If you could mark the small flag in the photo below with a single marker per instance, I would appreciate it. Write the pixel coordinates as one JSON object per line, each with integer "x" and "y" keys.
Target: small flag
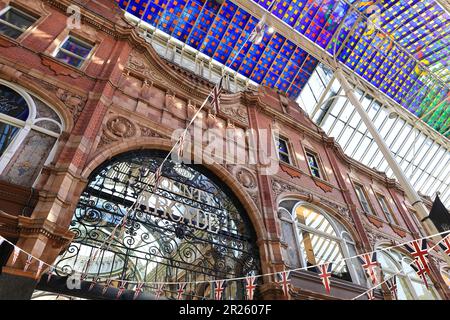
{"x": 421, "y": 271}
{"x": 445, "y": 245}
{"x": 285, "y": 281}
{"x": 180, "y": 151}
{"x": 28, "y": 262}
{"x": 15, "y": 254}
{"x": 218, "y": 289}
{"x": 93, "y": 283}
{"x": 180, "y": 291}
{"x": 392, "y": 286}
{"x": 159, "y": 290}
{"x": 419, "y": 250}
{"x": 105, "y": 288}
{"x": 369, "y": 263}
{"x": 370, "y": 295}
{"x": 39, "y": 269}
{"x": 121, "y": 289}
{"x": 50, "y": 273}
{"x": 215, "y": 98}
{"x": 325, "y": 275}
{"x": 250, "y": 287}
{"x": 138, "y": 290}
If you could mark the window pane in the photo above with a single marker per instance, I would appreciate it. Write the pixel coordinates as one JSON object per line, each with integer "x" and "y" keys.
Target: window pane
{"x": 9, "y": 31}
{"x": 319, "y": 247}
{"x": 313, "y": 165}
{"x": 16, "y": 18}
{"x": 13, "y": 104}
{"x": 64, "y": 57}
{"x": 77, "y": 47}
{"x": 7, "y": 134}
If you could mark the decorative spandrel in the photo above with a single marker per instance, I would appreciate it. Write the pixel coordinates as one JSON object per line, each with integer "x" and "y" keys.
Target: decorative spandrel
{"x": 191, "y": 229}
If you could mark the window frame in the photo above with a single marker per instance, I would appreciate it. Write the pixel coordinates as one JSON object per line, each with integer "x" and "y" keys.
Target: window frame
{"x": 339, "y": 238}
{"x": 288, "y": 147}
{"x": 357, "y": 185}
{"x": 319, "y": 164}
{"x": 22, "y": 12}
{"x": 59, "y": 48}
{"x": 390, "y": 217}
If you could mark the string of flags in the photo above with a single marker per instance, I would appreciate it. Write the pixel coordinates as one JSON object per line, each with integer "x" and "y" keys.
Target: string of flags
{"x": 418, "y": 249}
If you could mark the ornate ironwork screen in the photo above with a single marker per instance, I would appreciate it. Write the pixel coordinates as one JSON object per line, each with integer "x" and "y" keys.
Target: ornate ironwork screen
{"x": 190, "y": 229}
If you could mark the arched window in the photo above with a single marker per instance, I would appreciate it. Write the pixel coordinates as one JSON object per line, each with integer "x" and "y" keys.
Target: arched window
{"x": 319, "y": 239}
{"x": 13, "y": 114}
{"x": 29, "y": 129}
{"x": 409, "y": 284}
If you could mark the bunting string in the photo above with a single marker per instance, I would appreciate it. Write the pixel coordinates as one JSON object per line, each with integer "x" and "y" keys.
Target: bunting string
{"x": 420, "y": 269}
{"x": 283, "y": 275}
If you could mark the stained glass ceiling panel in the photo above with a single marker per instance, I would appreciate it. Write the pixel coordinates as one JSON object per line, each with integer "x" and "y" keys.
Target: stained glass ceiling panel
{"x": 382, "y": 41}
{"x": 221, "y": 31}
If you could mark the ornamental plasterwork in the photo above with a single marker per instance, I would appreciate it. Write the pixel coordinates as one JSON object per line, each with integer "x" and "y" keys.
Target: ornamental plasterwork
{"x": 279, "y": 186}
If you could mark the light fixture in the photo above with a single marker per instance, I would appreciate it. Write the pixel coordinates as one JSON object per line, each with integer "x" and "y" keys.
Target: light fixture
{"x": 271, "y": 30}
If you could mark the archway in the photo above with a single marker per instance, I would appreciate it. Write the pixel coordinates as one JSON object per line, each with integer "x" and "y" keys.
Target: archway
{"x": 191, "y": 229}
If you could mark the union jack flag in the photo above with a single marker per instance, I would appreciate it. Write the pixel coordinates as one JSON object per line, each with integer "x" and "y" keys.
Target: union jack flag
{"x": 419, "y": 250}
{"x": 15, "y": 254}
{"x": 325, "y": 275}
{"x": 369, "y": 263}
{"x": 28, "y": 262}
{"x": 250, "y": 287}
{"x": 107, "y": 284}
{"x": 285, "y": 281}
{"x": 257, "y": 34}
{"x": 50, "y": 273}
{"x": 218, "y": 289}
{"x": 121, "y": 288}
{"x": 421, "y": 271}
{"x": 93, "y": 283}
{"x": 392, "y": 286}
{"x": 370, "y": 295}
{"x": 215, "y": 98}
{"x": 159, "y": 290}
{"x": 138, "y": 290}
{"x": 445, "y": 245}
{"x": 180, "y": 291}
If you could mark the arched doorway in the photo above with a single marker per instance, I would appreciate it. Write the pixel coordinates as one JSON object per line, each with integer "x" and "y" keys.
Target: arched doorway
{"x": 191, "y": 229}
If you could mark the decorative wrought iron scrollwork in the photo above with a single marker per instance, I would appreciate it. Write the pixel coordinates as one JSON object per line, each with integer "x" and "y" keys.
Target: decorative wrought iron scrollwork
{"x": 190, "y": 229}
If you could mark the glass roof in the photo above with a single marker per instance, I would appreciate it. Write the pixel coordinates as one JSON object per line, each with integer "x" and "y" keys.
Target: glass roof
{"x": 382, "y": 41}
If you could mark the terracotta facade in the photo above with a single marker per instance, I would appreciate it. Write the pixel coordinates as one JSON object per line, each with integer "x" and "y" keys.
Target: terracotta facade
{"x": 125, "y": 97}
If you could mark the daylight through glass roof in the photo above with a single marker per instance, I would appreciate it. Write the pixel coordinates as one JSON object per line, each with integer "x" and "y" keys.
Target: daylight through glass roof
{"x": 382, "y": 41}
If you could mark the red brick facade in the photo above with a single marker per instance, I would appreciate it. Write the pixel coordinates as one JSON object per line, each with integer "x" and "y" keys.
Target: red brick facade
{"x": 125, "y": 97}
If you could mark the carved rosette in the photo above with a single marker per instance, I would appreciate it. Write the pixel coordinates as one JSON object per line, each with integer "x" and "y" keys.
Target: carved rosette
{"x": 121, "y": 127}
